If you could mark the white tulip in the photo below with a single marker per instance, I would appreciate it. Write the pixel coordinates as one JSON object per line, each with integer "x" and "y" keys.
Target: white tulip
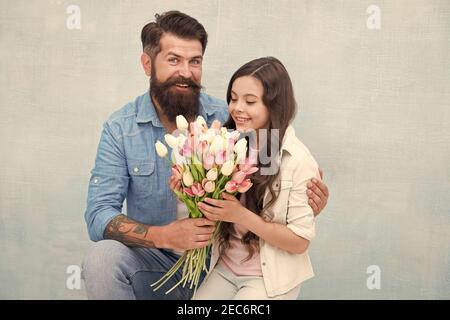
{"x": 177, "y": 158}
{"x": 201, "y": 121}
{"x": 223, "y": 131}
{"x": 171, "y": 140}
{"x": 203, "y": 137}
{"x": 240, "y": 146}
{"x": 216, "y": 145}
{"x": 227, "y": 168}
{"x": 161, "y": 149}
{"x": 240, "y": 157}
{"x": 182, "y": 123}
{"x": 181, "y": 140}
{"x": 211, "y": 133}
{"x": 188, "y": 179}
{"x": 212, "y": 174}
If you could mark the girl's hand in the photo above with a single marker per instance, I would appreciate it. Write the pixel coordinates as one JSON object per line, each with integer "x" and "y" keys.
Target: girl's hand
{"x": 175, "y": 185}
{"x": 228, "y": 210}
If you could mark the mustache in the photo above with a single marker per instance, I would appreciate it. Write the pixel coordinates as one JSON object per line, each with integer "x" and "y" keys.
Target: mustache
{"x": 182, "y": 80}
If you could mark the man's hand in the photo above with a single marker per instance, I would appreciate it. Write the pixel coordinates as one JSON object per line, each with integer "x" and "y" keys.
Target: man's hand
{"x": 175, "y": 184}
{"x": 181, "y": 234}
{"x": 318, "y": 194}
{"x": 187, "y": 234}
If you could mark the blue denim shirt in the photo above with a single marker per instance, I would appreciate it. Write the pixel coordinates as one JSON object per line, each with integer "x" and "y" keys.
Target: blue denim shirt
{"x": 127, "y": 166}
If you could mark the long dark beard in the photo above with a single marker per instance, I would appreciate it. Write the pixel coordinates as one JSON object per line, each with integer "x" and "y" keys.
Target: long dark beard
{"x": 176, "y": 103}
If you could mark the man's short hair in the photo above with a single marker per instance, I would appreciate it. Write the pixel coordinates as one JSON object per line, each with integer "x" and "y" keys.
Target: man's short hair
{"x": 176, "y": 23}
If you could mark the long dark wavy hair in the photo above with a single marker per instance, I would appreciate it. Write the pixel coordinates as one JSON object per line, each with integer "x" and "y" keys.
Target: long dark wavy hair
{"x": 278, "y": 97}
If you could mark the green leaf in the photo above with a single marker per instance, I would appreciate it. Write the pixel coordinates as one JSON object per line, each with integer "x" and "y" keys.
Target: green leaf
{"x": 201, "y": 172}
{"x": 194, "y": 173}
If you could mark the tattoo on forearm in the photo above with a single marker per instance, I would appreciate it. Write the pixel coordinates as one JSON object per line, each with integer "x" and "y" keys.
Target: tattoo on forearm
{"x": 129, "y": 232}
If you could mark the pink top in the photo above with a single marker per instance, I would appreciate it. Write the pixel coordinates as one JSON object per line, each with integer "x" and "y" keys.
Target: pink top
{"x": 234, "y": 255}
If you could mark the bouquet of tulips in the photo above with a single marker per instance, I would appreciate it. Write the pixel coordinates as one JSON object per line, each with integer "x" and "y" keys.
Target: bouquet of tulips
{"x": 207, "y": 161}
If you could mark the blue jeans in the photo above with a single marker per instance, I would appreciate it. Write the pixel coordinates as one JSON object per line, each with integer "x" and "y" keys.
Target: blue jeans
{"x": 111, "y": 270}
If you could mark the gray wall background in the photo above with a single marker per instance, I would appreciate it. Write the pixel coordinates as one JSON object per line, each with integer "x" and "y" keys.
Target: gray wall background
{"x": 374, "y": 110}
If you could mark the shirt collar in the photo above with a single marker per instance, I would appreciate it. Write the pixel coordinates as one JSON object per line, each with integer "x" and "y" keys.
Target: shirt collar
{"x": 147, "y": 113}
{"x": 206, "y": 108}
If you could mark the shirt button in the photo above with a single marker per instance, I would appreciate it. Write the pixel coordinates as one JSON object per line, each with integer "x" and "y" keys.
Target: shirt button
{"x": 264, "y": 264}
{"x": 95, "y": 180}
{"x": 136, "y": 169}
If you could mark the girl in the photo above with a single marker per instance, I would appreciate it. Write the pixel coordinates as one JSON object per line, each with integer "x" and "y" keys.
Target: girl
{"x": 260, "y": 250}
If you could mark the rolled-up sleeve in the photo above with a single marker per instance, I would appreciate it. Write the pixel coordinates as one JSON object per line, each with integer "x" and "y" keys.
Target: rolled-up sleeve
{"x": 300, "y": 216}
{"x": 108, "y": 184}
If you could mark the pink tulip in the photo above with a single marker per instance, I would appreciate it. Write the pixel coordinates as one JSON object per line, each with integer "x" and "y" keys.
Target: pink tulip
{"x": 216, "y": 125}
{"x": 231, "y": 186}
{"x": 229, "y": 150}
{"x": 220, "y": 157}
{"x": 177, "y": 171}
{"x": 252, "y": 156}
{"x": 189, "y": 192}
{"x": 251, "y": 171}
{"x": 193, "y": 141}
{"x": 195, "y": 128}
{"x": 202, "y": 147}
{"x": 238, "y": 177}
{"x": 244, "y": 186}
{"x": 235, "y": 135}
{"x": 247, "y": 167}
{"x": 230, "y": 146}
{"x": 208, "y": 186}
{"x": 208, "y": 161}
{"x": 187, "y": 149}
{"x": 197, "y": 189}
